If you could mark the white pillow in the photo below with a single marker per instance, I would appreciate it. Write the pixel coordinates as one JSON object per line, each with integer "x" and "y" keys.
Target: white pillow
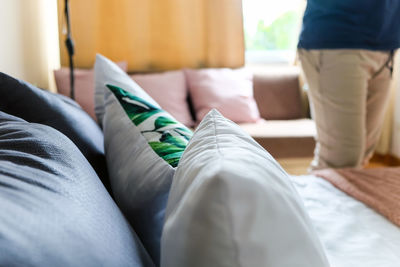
{"x": 143, "y": 145}
{"x": 231, "y": 204}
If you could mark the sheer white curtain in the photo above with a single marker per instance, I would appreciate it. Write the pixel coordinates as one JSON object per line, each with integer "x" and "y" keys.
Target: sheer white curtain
{"x": 395, "y": 149}
{"x": 388, "y": 140}
{"x": 29, "y": 48}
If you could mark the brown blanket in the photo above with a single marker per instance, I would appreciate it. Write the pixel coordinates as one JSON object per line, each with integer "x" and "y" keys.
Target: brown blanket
{"x": 378, "y": 188}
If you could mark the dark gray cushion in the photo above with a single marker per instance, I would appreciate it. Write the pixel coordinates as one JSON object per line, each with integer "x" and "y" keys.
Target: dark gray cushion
{"x": 54, "y": 211}
{"x": 32, "y": 104}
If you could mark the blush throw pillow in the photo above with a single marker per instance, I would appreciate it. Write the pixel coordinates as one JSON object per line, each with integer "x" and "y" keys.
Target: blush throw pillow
{"x": 231, "y": 204}
{"x": 84, "y": 86}
{"x": 170, "y": 91}
{"x": 230, "y": 91}
{"x": 143, "y": 146}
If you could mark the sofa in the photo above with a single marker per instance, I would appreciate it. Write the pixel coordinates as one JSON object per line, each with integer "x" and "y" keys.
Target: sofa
{"x": 285, "y": 128}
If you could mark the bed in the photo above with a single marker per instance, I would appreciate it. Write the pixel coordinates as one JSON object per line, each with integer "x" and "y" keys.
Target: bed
{"x": 352, "y": 233}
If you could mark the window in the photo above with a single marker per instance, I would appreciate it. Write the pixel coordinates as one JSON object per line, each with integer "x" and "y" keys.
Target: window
{"x": 271, "y": 29}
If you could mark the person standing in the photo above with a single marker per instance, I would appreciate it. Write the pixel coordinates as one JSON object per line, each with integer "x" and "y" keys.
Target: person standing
{"x": 346, "y": 49}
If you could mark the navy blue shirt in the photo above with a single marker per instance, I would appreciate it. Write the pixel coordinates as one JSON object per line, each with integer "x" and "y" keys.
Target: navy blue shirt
{"x": 353, "y": 24}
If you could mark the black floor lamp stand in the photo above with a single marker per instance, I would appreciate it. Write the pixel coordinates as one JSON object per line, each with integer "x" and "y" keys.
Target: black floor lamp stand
{"x": 70, "y": 48}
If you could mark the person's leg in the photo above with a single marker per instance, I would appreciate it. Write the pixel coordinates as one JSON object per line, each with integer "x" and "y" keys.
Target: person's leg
{"x": 378, "y": 96}
{"x": 338, "y": 82}
{"x": 310, "y": 64}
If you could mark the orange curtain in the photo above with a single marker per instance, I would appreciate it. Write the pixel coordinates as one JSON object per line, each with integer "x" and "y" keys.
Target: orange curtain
{"x": 156, "y": 35}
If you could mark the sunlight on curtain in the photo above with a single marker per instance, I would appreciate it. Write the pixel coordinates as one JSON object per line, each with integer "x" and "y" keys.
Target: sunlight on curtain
{"x": 395, "y": 146}
{"x": 30, "y": 50}
{"x": 388, "y": 134}
{"x": 157, "y": 35}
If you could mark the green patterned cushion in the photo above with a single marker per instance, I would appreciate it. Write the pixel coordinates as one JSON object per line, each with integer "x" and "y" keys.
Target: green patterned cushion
{"x": 166, "y": 136}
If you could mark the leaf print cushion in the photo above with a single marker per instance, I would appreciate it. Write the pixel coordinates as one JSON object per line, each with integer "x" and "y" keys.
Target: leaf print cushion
{"x": 166, "y": 136}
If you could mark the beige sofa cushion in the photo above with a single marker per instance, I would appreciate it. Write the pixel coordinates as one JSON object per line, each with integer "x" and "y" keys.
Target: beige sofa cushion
{"x": 284, "y": 138}
{"x": 278, "y": 95}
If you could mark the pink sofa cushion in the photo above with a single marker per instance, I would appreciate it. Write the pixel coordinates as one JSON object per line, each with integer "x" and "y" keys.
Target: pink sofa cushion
{"x": 84, "y": 86}
{"x": 230, "y": 91}
{"x": 169, "y": 90}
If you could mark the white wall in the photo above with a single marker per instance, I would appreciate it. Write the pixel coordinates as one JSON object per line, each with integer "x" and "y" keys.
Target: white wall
{"x": 396, "y": 126}
{"x": 29, "y": 47}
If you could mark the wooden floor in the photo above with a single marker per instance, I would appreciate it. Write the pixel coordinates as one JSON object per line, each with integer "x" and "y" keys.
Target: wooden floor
{"x": 295, "y": 166}
{"x": 299, "y": 166}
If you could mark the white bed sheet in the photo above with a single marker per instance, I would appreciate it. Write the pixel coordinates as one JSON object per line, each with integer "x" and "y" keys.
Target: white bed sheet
{"x": 352, "y": 234}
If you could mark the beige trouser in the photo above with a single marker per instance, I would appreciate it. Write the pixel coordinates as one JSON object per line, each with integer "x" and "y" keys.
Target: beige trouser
{"x": 348, "y": 92}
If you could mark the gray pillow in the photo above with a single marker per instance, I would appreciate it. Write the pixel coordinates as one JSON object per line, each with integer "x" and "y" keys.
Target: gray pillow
{"x": 143, "y": 145}
{"x": 54, "y": 211}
